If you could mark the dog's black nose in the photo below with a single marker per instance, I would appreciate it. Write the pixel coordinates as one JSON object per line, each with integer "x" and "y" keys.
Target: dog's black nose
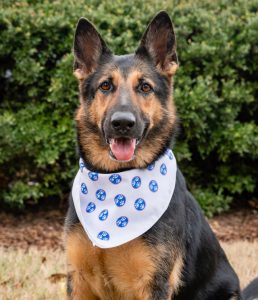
{"x": 123, "y": 122}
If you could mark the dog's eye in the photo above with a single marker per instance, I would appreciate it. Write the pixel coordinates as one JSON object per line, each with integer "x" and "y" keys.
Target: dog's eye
{"x": 145, "y": 87}
{"x": 105, "y": 86}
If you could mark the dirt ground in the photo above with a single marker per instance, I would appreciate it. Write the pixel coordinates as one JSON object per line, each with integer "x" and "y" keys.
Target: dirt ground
{"x": 44, "y": 230}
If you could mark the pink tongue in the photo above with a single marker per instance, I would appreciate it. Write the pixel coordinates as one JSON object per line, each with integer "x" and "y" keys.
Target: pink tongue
{"x": 123, "y": 149}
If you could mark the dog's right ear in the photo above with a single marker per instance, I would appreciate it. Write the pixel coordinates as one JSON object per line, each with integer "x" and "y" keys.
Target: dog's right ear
{"x": 88, "y": 49}
{"x": 159, "y": 44}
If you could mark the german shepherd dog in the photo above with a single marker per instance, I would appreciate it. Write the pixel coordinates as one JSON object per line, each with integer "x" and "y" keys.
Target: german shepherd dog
{"x": 126, "y": 120}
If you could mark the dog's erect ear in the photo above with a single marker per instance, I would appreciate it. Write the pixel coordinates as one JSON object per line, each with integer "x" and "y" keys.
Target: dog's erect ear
{"x": 159, "y": 43}
{"x": 88, "y": 48}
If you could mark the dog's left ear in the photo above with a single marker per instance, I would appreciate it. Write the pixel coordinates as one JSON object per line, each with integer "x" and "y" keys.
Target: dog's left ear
{"x": 159, "y": 44}
{"x": 89, "y": 49}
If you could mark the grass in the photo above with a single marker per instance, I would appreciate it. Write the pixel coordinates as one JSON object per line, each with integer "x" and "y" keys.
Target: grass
{"x": 38, "y": 275}
{"x": 243, "y": 256}
{"x": 27, "y": 275}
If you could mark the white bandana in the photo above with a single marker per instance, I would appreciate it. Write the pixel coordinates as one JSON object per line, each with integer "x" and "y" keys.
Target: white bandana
{"x": 117, "y": 208}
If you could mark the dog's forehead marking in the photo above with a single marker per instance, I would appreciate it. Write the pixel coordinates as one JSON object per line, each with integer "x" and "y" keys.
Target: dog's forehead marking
{"x": 129, "y": 63}
{"x": 127, "y": 68}
{"x": 124, "y": 63}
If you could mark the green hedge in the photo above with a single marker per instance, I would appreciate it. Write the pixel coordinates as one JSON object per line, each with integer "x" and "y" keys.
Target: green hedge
{"x": 215, "y": 91}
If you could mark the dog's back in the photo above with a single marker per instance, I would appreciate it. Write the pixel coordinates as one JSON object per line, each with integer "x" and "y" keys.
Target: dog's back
{"x": 251, "y": 291}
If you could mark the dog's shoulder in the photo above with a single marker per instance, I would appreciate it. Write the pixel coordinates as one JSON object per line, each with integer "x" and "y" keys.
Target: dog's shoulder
{"x": 204, "y": 257}
{"x": 71, "y": 218}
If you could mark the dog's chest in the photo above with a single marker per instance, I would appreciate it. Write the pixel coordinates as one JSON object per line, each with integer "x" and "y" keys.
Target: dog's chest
{"x": 122, "y": 272}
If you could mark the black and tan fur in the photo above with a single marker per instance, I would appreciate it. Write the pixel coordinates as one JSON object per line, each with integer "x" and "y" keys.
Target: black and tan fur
{"x": 179, "y": 257}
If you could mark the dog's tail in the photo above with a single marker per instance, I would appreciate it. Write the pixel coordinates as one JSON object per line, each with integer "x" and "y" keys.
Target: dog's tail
{"x": 251, "y": 291}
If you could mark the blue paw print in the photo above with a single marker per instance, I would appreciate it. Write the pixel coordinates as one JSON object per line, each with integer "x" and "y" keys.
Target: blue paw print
{"x": 163, "y": 169}
{"x": 84, "y": 188}
{"x": 115, "y": 178}
{"x": 151, "y": 166}
{"x": 101, "y": 195}
{"x": 122, "y": 221}
{"x": 90, "y": 207}
{"x": 169, "y": 154}
{"x": 103, "y": 235}
{"x": 139, "y": 204}
{"x": 81, "y": 166}
{"x": 103, "y": 215}
{"x": 120, "y": 200}
{"x": 93, "y": 176}
{"x": 136, "y": 182}
{"x": 153, "y": 186}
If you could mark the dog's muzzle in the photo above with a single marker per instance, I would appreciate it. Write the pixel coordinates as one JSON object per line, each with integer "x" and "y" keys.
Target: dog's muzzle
{"x": 123, "y": 131}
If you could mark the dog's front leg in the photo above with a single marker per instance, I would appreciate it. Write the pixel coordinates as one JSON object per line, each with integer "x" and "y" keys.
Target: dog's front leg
{"x": 166, "y": 283}
{"x": 141, "y": 272}
{"x": 78, "y": 288}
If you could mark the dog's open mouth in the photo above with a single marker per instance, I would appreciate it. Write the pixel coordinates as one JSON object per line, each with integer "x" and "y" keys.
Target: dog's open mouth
{"x": 122, "y": 149}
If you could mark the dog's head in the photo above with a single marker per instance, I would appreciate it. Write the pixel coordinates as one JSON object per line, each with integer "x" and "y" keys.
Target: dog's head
{"x": 126, "y": 115}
